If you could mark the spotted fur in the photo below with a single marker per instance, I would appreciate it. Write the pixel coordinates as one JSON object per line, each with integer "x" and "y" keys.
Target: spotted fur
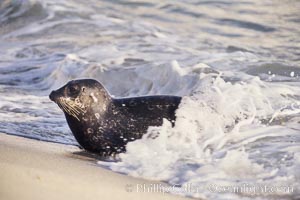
{"x": 104, "y": 124}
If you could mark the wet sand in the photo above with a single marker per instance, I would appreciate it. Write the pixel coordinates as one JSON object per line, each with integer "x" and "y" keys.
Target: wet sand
{"x": 31, "y": 169}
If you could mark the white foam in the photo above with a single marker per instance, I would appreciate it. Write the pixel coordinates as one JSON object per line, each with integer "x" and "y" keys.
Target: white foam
{"x": 213, "y": 137}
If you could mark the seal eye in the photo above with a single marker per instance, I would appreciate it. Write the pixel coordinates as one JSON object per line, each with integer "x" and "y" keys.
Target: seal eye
{"x": 73, "y": 89}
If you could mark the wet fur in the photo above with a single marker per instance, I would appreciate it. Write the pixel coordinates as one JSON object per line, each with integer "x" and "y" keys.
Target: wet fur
{"x": 105, "y": 125}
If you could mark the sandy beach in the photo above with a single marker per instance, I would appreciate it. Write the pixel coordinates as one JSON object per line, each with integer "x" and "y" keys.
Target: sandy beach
{"x": 31, "y": 169}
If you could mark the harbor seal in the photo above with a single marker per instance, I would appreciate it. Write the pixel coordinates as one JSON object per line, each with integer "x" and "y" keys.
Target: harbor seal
{"x": 103, "y": 124}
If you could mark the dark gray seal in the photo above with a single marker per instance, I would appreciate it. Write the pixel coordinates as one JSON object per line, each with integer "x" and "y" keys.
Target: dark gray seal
{"x": 103, "y": 124}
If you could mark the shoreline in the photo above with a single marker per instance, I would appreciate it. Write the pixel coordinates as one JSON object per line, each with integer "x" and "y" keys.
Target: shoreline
{"x": 32, "y": 169}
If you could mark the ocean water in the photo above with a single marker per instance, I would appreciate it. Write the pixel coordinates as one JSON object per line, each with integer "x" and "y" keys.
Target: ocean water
{"x": 235, "y": 62}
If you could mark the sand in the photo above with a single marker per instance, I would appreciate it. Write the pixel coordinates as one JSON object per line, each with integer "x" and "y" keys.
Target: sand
{"x": 31, "y": 169}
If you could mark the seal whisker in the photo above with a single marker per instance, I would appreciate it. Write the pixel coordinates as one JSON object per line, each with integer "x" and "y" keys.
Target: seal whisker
{"x": 65, "y": 108}
{"x": 68, "y": 109}
{"x": 75, "y": 106}
{"x": 71, "y": 107}
{"x": 78, "y": 108}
